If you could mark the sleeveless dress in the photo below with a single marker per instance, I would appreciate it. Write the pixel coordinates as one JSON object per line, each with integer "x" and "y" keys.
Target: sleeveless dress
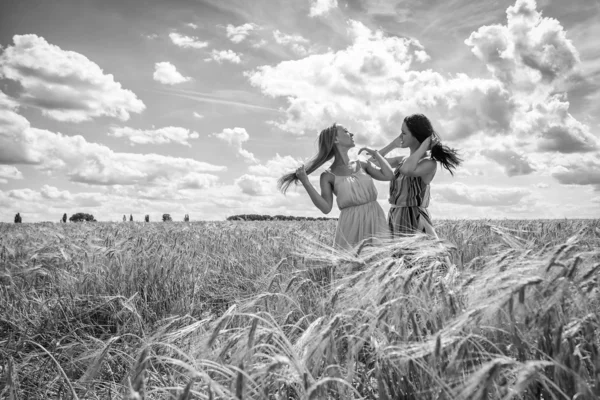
{"x": 361, "y": 216}
{"x": 409, "y": 199}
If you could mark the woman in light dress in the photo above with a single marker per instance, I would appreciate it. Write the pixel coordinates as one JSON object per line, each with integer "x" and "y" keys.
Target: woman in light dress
{"x": 409, "y": 188}
{"x": 361, "y": 217}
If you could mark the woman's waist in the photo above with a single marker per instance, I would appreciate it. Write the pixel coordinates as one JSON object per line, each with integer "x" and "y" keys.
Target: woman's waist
{"x": 357, "y": 204}
{"x": 424, "y": 206}
{"x": 409, "y": 202}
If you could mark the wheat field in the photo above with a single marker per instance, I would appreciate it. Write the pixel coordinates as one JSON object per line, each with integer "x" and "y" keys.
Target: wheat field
{"x": 266, "y": 310}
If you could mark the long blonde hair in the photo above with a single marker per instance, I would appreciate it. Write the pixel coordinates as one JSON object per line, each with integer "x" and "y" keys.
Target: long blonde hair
{"x": 325, "y": 153}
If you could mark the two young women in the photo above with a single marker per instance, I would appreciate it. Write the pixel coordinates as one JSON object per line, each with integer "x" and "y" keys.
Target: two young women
{"x": 361, "y": 216}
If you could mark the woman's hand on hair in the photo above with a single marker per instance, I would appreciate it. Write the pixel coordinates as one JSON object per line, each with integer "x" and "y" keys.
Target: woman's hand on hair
{"x": 301, "y": 174}
{"x": 427, "y": 143}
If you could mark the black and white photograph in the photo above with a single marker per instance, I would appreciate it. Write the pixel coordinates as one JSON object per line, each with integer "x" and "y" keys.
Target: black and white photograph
{"x": 300, "y": 200}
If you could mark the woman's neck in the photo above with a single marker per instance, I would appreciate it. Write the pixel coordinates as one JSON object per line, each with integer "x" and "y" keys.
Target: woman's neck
{"x": 341, "y": 158}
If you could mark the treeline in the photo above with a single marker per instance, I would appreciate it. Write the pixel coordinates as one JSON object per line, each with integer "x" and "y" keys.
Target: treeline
{"x": 258, "y": 217}
{"x": 77, "y": 217}
{"x": 80, "y": 217}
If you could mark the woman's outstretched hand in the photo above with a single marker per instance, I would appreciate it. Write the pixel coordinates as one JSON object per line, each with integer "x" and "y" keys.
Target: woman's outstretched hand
{"x": 369, "y": 151}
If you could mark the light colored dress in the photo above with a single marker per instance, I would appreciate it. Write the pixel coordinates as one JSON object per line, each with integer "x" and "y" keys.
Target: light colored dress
{"x": 361, "y": 216}
{"x": 409, "y": 199}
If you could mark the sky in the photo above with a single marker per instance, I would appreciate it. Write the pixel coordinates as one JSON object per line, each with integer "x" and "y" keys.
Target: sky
{"x": 197, "y": 106}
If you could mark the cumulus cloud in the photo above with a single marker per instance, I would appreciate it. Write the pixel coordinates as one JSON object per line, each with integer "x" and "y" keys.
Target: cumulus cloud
{"x": 53, "y": 193}
{"x": 169, "y": 134}
{"x": 481, "y": 196}
{"x": 321, "y": 7}
{"x": 514, "y": 164}
{"x": 165, "y": 72}
{"x": 528, "y": 51}
{"x": 238, "y": 34}
{"x": 197, "y": 181}
{"x": 192, "y": 25}
{"x": 224, "y": 55}
{"x": 87, "y": 162}
{"x": 9, "y": 172}
{"x": 276, "y": 166}
{"x": 187, "y": 42}
{"x": 533, "y": 58}
{"x": 235, "y": 138}
{"x": 373, "y": 83}
{"x": 255, "y": 185}
{"x": 555, "y": 129}
{"x": 65, "y": 85}
{"x": 295, "y": 42}
{"x": 585, "y": 171}
{"x": 199, "y": 116}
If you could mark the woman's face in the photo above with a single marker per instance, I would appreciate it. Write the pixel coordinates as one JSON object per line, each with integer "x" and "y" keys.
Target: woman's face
{"x": 406, "y": 137}
{"x": 344, "y": 138}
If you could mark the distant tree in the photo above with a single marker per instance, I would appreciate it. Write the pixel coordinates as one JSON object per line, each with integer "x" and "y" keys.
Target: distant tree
{"x": 64, "y": 218}
{"x": 147, "y": 218}
{"x": 18, "y": 218}
{"x": 131, "y": 217}
{"x": 167, "y": 217}
{"x": 186, "y": 218}
{"x": 78, "y": 217}
{"x": 124, "y": 218}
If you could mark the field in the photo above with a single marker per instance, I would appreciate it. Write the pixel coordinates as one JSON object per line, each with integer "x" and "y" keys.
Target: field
{"x": 265, "y": 310}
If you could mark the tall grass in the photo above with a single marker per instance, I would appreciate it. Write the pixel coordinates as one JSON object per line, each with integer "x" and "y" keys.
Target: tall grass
{"x": 268, "y": 311}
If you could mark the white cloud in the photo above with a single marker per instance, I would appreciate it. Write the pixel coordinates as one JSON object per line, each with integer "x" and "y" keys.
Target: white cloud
{"x": 235, "y": 138}
{"x": 533, "y": 58}
{"x": 87, "y": 162}
{"x": 514, "y": 164}
{"x": 65, "y": 85}
{"x": 321, "y": 7}
{"x": 372, "y": 84}
{"x": 254, "y": 185}
{"x": 197, "y": 181}
{"x": 276, "y": 166}
{"x": 192, "y": 25}
{"x": 165, "y": 72}
{"x": 481, "y": 196}
{"x": 53, "y": 193}
{"x": 199, "y": 116}
{"x": 237, "y": 34}
{"x": 295, "y": 42}
{"x": 224, "y": 55}
{"x": 169, "y": 134}
{"x": 371, "y": 81}
{"x": 542, "y": 185}
{"x": 581, "y": 171}
{"x": 9, "y": 172}
{"x": 529, "y": 51}
{"x": 259, "y": 44}
{"x": 187, "y": 42}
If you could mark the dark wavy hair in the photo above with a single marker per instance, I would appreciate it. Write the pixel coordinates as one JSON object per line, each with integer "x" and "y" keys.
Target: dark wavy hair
{"x": 421, "y": 128}
{"x": 324, "y": 154}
